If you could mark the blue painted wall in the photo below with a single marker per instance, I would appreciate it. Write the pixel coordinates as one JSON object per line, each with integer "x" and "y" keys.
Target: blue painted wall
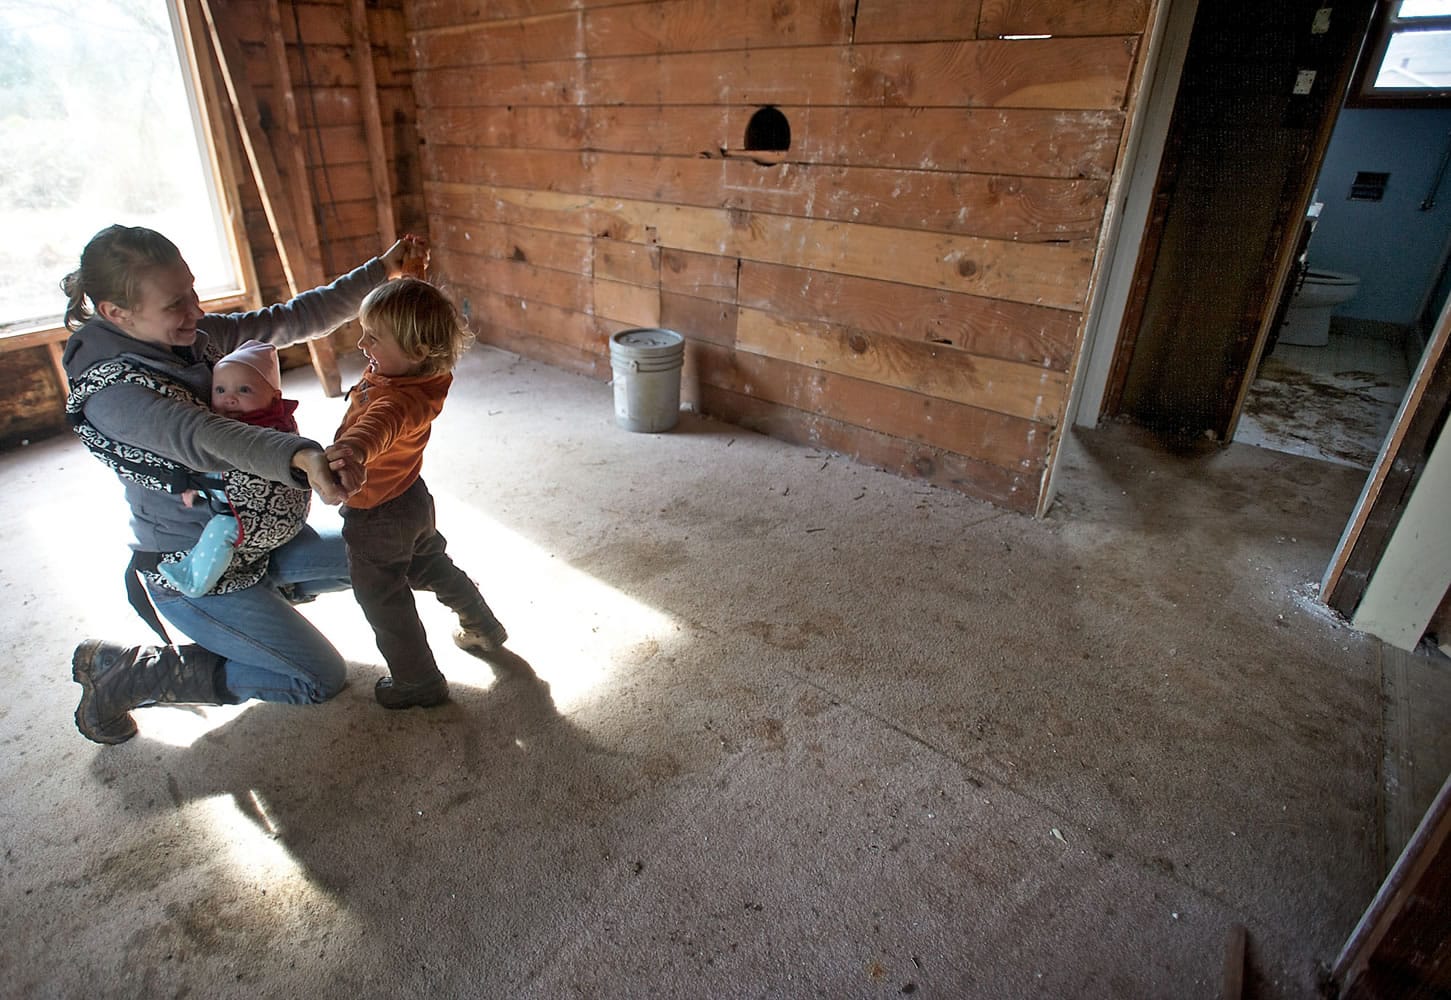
{"x": 1393, "y": 246}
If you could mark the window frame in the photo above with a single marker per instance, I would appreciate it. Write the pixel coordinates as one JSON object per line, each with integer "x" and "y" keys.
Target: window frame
{"x": 1384, "y": 27}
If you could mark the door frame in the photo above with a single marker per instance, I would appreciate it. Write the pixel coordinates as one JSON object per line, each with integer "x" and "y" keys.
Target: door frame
{"x": 1387, "y": 489}
{"x": 1103, "y": 328}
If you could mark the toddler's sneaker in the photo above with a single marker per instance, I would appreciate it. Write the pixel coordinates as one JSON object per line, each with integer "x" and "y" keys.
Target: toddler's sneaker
{"x": 480, "y": 641}
{"x": 425, "y": 694}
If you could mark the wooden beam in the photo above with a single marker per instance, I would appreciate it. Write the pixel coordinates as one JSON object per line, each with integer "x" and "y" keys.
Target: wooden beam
{"x": 1019, "y": 390}
{"x": 372, "y": 121}
{"x": 299, "y": 184}
{"x": 280, "y": 216}
{"x": 291, "y": 156}
{"x": 1414, "y": 572}
{"x": 992, "y": 206}
{"x": 1045, "y": 274}
{"x": 232, "y": 65}
{"x": 1234, "y": 963}
{"x": 56, "y": 350}
{"x": 1059, "y": 73}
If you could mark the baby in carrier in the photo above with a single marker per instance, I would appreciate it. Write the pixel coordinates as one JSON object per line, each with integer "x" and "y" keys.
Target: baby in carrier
{"x": 247, "y": 386}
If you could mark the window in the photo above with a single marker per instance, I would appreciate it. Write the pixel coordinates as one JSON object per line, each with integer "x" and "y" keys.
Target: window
{"x": 1407, "y": 58}
{"x": 99, "y": 123}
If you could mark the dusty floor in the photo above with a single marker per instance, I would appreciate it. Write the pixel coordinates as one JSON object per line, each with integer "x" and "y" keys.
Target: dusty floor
{"x": 777, "y": 725}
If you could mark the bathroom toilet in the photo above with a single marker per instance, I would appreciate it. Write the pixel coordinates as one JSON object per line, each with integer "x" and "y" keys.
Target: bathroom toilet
{"x": 1307, "y": 321}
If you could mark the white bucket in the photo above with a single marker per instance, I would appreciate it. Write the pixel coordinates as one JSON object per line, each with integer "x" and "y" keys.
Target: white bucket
{"x": 646, "y": 365}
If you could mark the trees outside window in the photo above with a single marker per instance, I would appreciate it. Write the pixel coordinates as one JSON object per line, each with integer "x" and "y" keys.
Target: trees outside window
{"x": 99, "y": 124}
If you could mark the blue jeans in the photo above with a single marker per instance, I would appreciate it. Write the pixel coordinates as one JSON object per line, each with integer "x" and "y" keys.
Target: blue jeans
{"x": 271, "y": 651}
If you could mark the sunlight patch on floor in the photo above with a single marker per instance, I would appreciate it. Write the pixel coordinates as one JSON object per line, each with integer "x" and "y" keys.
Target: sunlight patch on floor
{"x": 571, "y": 627}
{"x": 246, "y": 836}
{"x": 250, "y": 841}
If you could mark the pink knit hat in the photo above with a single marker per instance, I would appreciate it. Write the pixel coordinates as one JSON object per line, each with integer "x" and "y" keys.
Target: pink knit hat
{"x": 260, "y": 357}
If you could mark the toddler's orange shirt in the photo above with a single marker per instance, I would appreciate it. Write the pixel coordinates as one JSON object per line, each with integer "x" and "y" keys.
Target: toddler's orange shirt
{"x": 387, "y": 424}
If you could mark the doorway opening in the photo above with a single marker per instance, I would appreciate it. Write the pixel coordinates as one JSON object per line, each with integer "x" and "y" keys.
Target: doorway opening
{"x": 1368, "y": 284}
{"x": 1242, "y": 160}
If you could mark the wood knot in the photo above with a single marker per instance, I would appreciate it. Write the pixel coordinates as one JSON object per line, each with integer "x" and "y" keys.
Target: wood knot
{"x": 966, "y": 267}
{"x": 858, "y": 343}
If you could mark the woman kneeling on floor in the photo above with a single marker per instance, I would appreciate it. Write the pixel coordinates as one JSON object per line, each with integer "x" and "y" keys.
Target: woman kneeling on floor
{"x": 139, "y": 360}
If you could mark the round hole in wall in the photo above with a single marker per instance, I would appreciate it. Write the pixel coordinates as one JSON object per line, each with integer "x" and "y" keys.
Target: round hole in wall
{"x": 768, "y": 131}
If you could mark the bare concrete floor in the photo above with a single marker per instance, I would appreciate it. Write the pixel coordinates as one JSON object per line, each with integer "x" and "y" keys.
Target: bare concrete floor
{"x": 774, "y": 725}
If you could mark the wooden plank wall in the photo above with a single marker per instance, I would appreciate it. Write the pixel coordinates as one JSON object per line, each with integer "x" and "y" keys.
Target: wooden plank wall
{"x": 33, "y": 406}
{"x": 325, "y": 84}
{"x": 904, "y": 285}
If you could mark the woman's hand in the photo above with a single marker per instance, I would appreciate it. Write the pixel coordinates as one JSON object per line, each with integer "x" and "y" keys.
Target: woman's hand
{"x": 328, "y": 485}
{"x": 408, "y": 256}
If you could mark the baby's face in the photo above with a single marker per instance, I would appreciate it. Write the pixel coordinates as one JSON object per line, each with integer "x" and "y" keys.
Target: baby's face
{"x": 239, "y": 388}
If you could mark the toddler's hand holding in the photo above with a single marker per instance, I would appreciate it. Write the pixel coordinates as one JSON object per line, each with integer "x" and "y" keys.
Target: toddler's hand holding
{"x": 327, "y": 485}
{"x": 347, "y": 465}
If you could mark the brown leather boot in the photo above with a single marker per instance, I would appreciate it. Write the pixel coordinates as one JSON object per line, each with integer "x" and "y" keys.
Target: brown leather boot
{"x": 115, "y": 679}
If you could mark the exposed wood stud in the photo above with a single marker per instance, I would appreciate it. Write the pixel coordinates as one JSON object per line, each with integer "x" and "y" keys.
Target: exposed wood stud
{"x": 280, "y": 216}
{"x": 222, "y": 144}
{"x": 372, "y": 120}
{"x": 1402, "y": 945}
{"x": 292, "y": 164}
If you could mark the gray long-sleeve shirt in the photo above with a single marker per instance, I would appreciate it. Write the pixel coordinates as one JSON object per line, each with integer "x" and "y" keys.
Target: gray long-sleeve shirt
{"x": 193, "y": 435}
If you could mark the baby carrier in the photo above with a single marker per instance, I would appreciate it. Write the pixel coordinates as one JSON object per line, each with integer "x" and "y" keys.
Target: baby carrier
{"x": 267, "y": 514}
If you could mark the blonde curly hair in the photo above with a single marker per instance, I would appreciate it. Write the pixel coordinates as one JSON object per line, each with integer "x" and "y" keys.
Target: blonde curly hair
{"x": 422, "y": 319}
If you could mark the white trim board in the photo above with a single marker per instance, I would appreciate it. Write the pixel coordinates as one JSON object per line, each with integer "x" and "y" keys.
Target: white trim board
{"x": 1168, "y": 48}
{"x": 1413, "y": 575}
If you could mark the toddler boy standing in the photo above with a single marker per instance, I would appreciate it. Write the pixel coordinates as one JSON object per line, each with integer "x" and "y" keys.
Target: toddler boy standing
{"x": 412, "y": 337}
